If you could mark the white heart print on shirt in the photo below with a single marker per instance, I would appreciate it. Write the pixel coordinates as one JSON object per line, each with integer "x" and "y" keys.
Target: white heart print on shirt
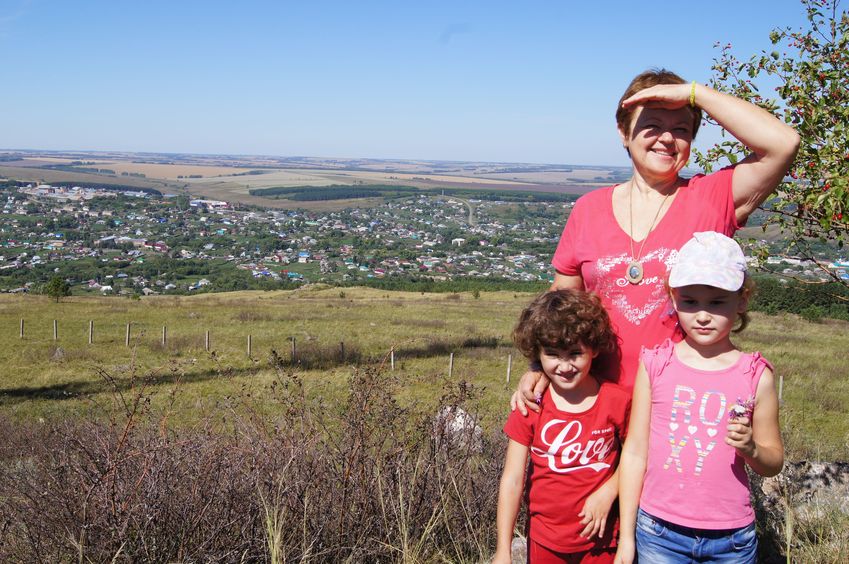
{"x": 609, "y": 286}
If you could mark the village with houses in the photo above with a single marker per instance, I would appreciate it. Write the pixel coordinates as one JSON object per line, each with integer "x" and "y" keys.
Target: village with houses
{"x": 103, "y": 241}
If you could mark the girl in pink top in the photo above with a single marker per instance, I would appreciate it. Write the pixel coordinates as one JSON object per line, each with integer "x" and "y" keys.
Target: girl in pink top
{"x": 701, "y": 411}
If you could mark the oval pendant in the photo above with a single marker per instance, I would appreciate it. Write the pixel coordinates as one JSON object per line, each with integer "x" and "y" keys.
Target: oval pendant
{"x": 634, "y": 272}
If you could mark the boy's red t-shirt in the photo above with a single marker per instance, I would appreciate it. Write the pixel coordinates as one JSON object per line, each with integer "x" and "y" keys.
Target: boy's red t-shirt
{"x": 594, "y": 246}
{"x": 571, "y": 455}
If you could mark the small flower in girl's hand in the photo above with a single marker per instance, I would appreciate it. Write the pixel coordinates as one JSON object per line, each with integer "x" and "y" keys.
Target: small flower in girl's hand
{"x": 742, "y": 409}
{"x": 538, "y": 398}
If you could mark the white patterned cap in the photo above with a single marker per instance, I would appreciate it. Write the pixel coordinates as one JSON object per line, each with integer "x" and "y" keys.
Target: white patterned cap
{"x": 711, "y": 259}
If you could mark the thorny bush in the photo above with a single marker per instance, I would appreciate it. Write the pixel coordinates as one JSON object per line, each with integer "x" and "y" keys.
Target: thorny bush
{"x": 367, "y": 480}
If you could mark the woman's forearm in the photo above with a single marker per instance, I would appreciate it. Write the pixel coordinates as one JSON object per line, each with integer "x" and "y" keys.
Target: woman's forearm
{"x": 773, "y": 147}
{"x": 757, "y": 129}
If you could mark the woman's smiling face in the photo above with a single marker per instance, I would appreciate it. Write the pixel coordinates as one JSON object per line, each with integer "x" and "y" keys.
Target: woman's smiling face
{"x": 659, "y": 142}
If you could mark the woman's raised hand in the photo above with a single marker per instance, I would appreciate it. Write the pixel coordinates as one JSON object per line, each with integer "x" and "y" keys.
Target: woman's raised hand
{"x": 666, "y": 96}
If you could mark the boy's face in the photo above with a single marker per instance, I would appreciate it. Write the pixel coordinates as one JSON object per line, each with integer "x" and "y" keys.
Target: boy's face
{"x": 568, "y": 369}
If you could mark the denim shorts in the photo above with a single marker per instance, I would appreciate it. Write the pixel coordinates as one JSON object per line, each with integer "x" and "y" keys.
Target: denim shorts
{"x": 661, "y": 542}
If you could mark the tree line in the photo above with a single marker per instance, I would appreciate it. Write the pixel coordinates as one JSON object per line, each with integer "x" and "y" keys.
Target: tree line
{"x": 813, "y": 301}
{"x": 351, "y": 192}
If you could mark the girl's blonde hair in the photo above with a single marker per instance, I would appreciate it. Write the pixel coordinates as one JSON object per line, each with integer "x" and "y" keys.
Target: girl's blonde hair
{"x": 747, "y": 290}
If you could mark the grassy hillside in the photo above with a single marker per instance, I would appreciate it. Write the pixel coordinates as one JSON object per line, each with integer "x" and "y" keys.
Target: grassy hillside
{"x": 176, "y": 453}
{"x": 43, "y": 378}
{"x": 423, "y": 328}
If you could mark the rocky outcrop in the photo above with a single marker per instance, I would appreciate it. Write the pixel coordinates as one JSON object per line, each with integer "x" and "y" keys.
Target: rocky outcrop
{"x": 810, "y": 488}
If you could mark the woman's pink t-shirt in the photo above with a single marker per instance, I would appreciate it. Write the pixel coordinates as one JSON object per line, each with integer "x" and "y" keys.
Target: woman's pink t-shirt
{"x": 594, "y": 246}
{"x": 693, "y": 478}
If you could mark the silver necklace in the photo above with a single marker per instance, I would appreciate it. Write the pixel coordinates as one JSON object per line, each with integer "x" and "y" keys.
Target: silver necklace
{"x": 634, "y": 272}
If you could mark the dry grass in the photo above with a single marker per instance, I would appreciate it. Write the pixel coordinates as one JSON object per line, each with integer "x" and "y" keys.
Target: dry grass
{"x": 354, "y": 480}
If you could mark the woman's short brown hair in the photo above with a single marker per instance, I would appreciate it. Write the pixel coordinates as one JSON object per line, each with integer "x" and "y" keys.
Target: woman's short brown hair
{"x": 647, "y": 79}
{"x": 561, "y": 319}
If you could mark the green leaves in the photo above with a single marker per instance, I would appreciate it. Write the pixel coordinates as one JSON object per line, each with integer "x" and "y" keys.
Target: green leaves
{"x": 810, "y": 67}
{"x": 56, "y": 288}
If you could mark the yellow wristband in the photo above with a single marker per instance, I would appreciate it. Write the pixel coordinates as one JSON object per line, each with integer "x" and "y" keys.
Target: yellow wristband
{"x": 693, "y": 94}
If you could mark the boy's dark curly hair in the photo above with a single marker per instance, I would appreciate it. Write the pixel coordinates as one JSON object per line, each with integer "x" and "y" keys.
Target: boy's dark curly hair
{"x": 563, "y": 318}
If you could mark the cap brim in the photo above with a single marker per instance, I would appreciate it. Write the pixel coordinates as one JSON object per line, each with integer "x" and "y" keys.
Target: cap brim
{"x": 731, "y": 283}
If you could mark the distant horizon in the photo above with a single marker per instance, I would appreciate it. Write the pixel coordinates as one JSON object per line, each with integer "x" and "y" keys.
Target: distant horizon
{"x": 320, "y": 157}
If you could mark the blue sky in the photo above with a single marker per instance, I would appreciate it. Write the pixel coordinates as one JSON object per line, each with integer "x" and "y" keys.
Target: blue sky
{"x": 491, "y": 81}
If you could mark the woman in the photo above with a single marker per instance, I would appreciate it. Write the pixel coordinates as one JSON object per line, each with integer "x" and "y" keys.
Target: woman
{"x": 620, "y": 241}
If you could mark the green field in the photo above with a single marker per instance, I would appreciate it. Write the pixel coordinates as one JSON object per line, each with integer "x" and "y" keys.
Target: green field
{"x": 423, "y": 328}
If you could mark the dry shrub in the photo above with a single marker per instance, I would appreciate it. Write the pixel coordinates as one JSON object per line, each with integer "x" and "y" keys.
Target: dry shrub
{"x": 311, "y": 355}
{"x": 365, "y": 480}
{"x": 249, "y": 315}
{"x": 438, "y": 347}
{"x": 176, "y": 343}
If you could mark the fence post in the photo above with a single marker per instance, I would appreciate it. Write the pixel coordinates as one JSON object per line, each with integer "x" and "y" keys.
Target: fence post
{"x": 780, "y": 386}
{"x": 90, "y": 331}
{"x": 249, "y": 346}
{"x": 206, "y": 341}
{"x": 127, "y": 338}
{"x": 22, "y": 328}
{"x": 294, "y": 350}
{"x": 342, "y": 351}
{"x": 164, "y": 336}
{"x": 392, "y": 358}
{"x": 509, "y": 367}
{"x": 55, "y": 330}
{"x": 450, "y": 364}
